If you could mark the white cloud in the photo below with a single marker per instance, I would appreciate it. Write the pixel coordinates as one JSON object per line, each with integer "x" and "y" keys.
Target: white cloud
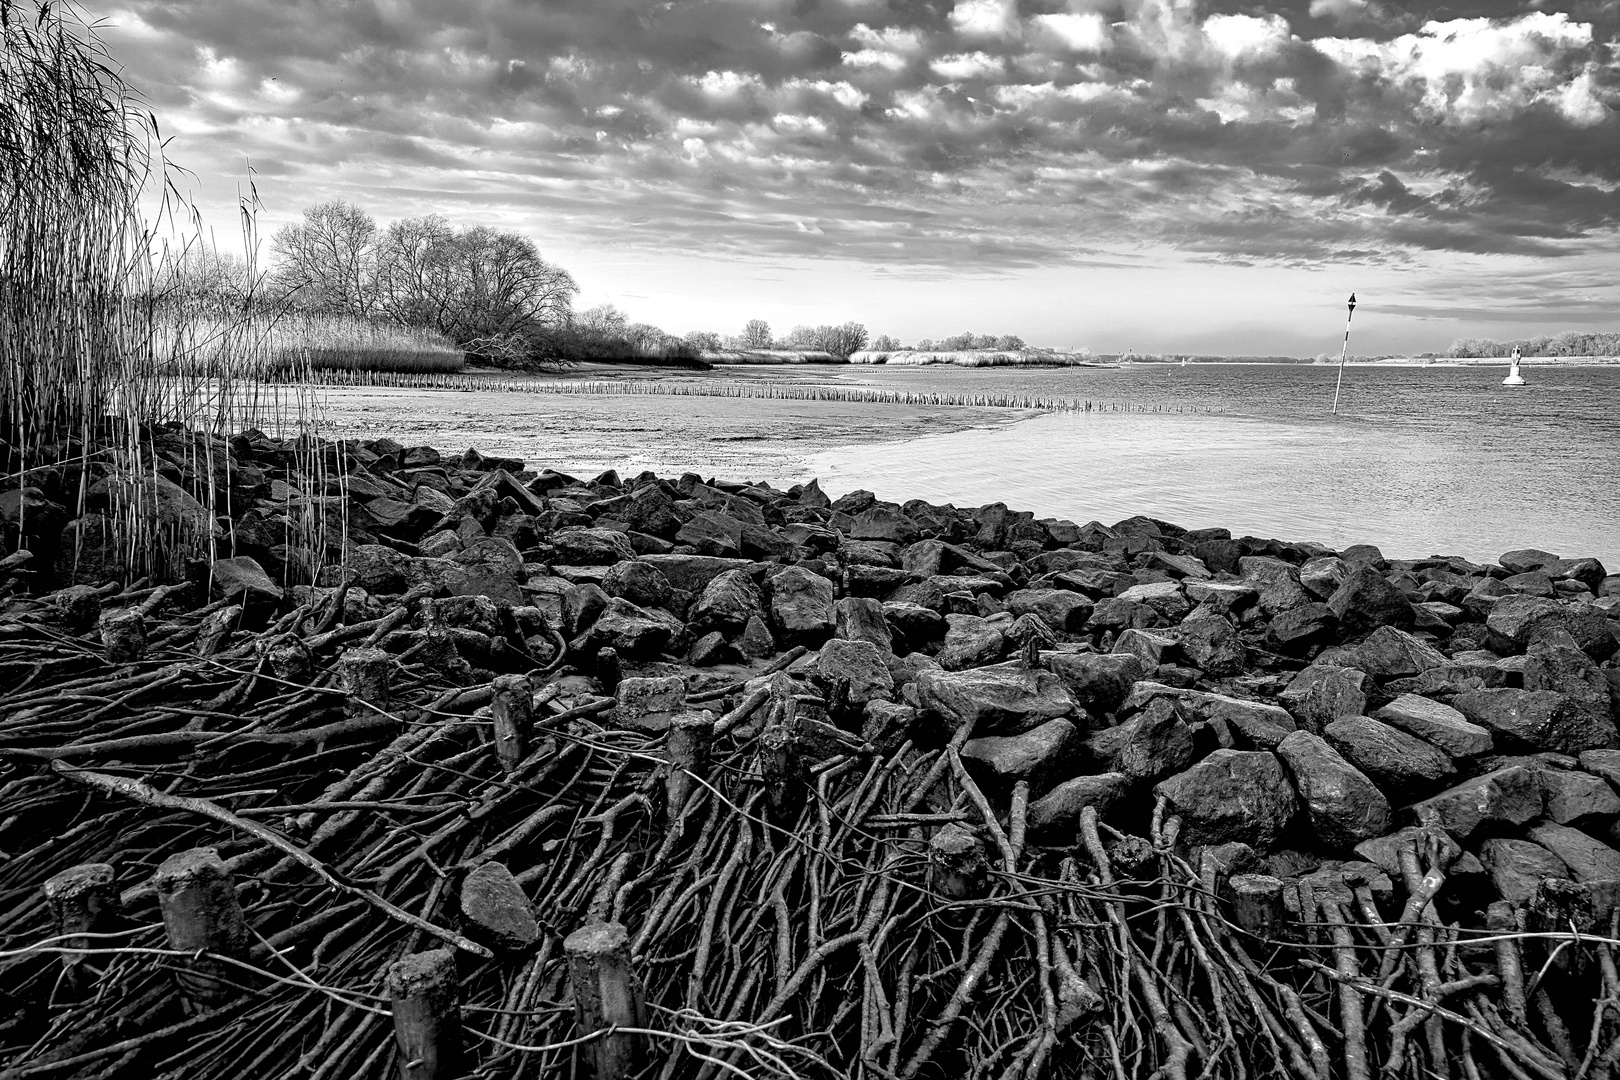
{"x": 985, "y": 18}
{"x": 726, "y": 83}
{"x": 1083, "y": 32}
{"x": 842, "y": 91}
{"x": 1337, "y": 9}
{"x": 1246, "y": 37}
{"x": 967, "y": 66}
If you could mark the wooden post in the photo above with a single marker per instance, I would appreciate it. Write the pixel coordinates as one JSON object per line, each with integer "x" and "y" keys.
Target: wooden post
{"x": 609, "y": 669}
{"x": 427, "y": 1017}
{"x": 123, "y": 636}
{"x": 197, "y": 896}
{"x": 957, "y": 867}
{"x": 363, "y": 674}
{"x": 512, "y": 707}
{"x": 81, "y": 605}
{"x": 290, "y": 659}
{"x": 688, "y": 742}
{"x": 606, "y": 994}
{"x": 82, "y": 899}
{"x": 781, "y": 765}
{"x": 1257, "y": 903}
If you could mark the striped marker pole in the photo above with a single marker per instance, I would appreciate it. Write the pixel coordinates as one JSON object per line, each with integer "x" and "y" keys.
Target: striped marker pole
{"x": 1343, "y": 350}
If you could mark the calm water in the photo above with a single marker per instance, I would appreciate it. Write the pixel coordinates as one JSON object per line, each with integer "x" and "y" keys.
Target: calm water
{"x": 1419, "y": 460}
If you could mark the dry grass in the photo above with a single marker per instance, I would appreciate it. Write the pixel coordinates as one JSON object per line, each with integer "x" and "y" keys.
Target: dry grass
{"x": 316, "y": 343}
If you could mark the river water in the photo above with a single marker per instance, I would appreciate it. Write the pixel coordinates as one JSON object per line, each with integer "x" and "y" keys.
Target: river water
{"x": 1418, "y": 460}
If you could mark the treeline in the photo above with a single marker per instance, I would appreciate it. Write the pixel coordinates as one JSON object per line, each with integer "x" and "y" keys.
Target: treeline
{"x": 1568, "y": 343}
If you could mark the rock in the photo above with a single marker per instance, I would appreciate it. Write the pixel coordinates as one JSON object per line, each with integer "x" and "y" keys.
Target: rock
{"x": 887, "y": 724}
{"x": 1099, "y": 683}
{"x": 1055, "y": 816}
{"x": 1344, "y": 806}
{"x": 970, "y": 641}
{"x": 852, "y": 673}
{"x": 1437, "y": 723}
{"x": 1389, "y": 653}
{"x": 860, "y": 618}
{"x": 590, "y": 547}
{"x": 1534, "y": 583}
{"x": 1538, "y": 719}
{"x": 1295, "y": 631}
{"x": 692, "y": 573}
{"x": 1510, "y": 796}
{"x": 377, "y": 569}
{"x": 633, "y": 631}
{"x": 802, "y": 608}
{"x": 755, "y": 642}
{"x": 1004, "y": 699}
{"x": 1262, "y": 724}
{"x": 1322, "y": 693}
{"x": 638, "y": 582}
{"x": 1578, "y": 798}
{"x": 1028, "y": 631}
{"x": 1179, "y": 566}
{"x": 1275, "y": 582}
{"x": 1367, "y": 601}
{"x": 1513, "y": 619}
{"x": 1064, "y": 611}
{"x": 710, "y": 532}
{"x": 648, "y": 704}
{"x": 1588, "y": 860}
{"x": 1322, "y": 576}
{"x": 1156, "y": 742}
{"x": 1167, "y": 598}
{"x": 882, "y": 521}
{"x": 1213, "y": 645}
{"x": 1148, "y": 647}
{"x": 1401, "y": 764}
{"x": 1587, "y": 572}
{"x": 1232, "y": 795}
{"x": 1518, "y": 866}
{"x": 1555, "y": 662}
{"x": 1604, "y": 763}
{"x": 916, "y": 625}
{"x": 710, "y": 649}
{"x": 728, "y": 602}
{"x": 1523, "y": 560}
{"x": 1039, "y": 756}
{"x": 651, "y": 511}
{"x": 243, "y": 575}
{"x": 496, "y": 909}
{"x": 90, "y": 552}
{"x": 1225, "y": 597}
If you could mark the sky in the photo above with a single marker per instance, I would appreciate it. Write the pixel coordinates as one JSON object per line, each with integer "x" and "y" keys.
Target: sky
{"x": 1154, "y": 175}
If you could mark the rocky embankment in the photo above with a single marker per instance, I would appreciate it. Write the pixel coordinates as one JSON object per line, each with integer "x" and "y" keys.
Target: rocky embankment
{"x": 1314, "y": 735}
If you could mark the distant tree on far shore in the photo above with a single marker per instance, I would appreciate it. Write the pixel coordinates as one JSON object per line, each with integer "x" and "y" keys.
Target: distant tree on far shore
{"x": 326, "y": 263}
{"x": 756, "y": 334}
{"x": 704, "y": 340}
{"x": 1568, "y": 343}
{"x": 885, "y": 343}
{"x": 971, "y": 342}
{"x": 838, "y": 340}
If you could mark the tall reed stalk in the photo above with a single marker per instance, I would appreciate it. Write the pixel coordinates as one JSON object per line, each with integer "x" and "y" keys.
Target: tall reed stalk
{"x": 108, "y": 380}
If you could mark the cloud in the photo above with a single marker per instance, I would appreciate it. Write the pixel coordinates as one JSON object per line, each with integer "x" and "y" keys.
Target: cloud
{"x": 984, "y": 132}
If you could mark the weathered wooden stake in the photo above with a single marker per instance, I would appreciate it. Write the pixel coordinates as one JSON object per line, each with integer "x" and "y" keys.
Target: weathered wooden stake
{"x": 82, "y": 606}
{"x": 427, "y": 1017}
{"x": 291, "y": 659}
{"x": 123, "y": 636}
{"x": 1257, "y": 903}
{"x": 690, "y": 737}
{"x": 197, "y": 896}
{"x": 609, "y": 669}
{"x": 606, "y": 994}
{"x": 363, "y": 674}
{"x": 82, "y": 899}
{"x": 512, "y": 707}
{"x": 957, "y": 867}
{"x": 781, "y": 766}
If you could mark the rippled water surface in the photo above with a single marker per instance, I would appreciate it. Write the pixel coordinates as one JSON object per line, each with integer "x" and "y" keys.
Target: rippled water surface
{"x": 1418, "y": 460}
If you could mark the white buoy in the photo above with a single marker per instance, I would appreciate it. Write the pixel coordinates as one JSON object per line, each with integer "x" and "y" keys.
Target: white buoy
{"x": 1513, "y": 376}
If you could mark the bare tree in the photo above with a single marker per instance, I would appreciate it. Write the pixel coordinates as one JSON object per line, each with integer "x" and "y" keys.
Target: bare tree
{"x": 326, "y": 262}
{"x": 756, "y": 334}
{"x": 502, "y": 288}
{"x": 416, "y": 271}
{"x": 703, "y": 341}
{"x": 885, "y": 343}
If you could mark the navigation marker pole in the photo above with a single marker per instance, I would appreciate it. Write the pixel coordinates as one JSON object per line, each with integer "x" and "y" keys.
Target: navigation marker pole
{"x": 1343, "y": 349}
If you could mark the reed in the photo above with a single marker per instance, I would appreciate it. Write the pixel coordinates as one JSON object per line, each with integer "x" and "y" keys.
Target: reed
{"x": 116, "y": 390}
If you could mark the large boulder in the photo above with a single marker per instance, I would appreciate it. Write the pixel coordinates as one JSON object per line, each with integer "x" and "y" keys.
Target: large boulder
{"x": 1261, "y": 724}
{"x": 852, "y": 673}
{"x": 1055, "y": 816}
{"x": 1513, "y": 619}
{"x": 1537, "y": 720}
{"x": 692, "y": 573}
{"x": 727, "y": 602}
{"x": 802, "y": 607}
{"x": 1437, "y": 723}
{"x": 1039, "y": 756}
{"x": 632, "y": 631}
{"x": 1517, "y": 867}
{"x": 1366, "y": 600}
{"x": 1578, "y": 798}
{"x": 590, "y": 547}
{"x": 1344, "y": 806}
{"x": 1508, "y": 796}
{"x": 1232, "y": 795}
{"x": 1294, "y": 632}
{"x": 1322, "y": 693}
{"x": 638, "y": 582}
{"x": 1276, "y": 583}
{"x": 1003, "y": 699}
{"x": 496, "y": 908}
{"x": 1402, "y": 765}
{"x": 1155, "y": 742}
{"x": 1554, "y": 661}
{"x": 969, "y": 642}
{"x": 1060, "y": 609}
{"x": 1098, "y": 682}
{"x": 860, "y": 618}
{"x": 1212, "y": 644}
{"x": 1391, "y": 653}
{"x": 1588, "y": 860}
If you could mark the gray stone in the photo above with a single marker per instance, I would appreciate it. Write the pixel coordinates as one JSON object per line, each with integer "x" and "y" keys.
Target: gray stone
{"x": 1262, "y": 724}
{"x": 590, "y": 547}
{"x": 1098, "y": 682}
{"x": 1039, "y": 756}
{"x": 1055, "y": 816}
{"x": 1438, "y": 723}
{"x": 1295, "y": 631}
{"x": 1513, "y": 619}
{"x": 852, "y": 673}
{"x": 1366, "y": 600}
{"x": 496, "y": 909}
{"x": 710, "y": 532}
{"x": 1322, "y": 576}
{"x": 970, "y": 641}
{"x": 1167, "y": 598}
{"x": 1064, "y": 611}
{"x": 802, "y": 608}
{"x": 1578, "y": 798}
{"x": 1276, "y": 582}
{"x": 1401, "y": 764}
{"x": 692, "y": 573}
{"x": 1150, "y": 647}
{"x": 1344, "y": 806}
{"x": 918, "y": 626}
{"x": 1510, "y": 796}
{"x": 755, "y": 640}
{"x": 1391, "y": 653}
{"x": 1226, "y": 597}
{"x": 882, "y": 521}
{"x": 648, "y": 704}
{"x": 1539, "y": 719}
{"x": 1523, "y": 560}
{"x": 1322, "y": 693}
{"x": 888, "y": 724}
{"x": 1588, "y": 860}
{"x": 1157, "y": 742}
{"x": 860, "y": 618}
{"x": 638, "y": 582}
{"x": 243, "y": 575}
{"x": 1004, "y": 699}
{"x": 1232, "y": 795}
{"x": 728, "y": 602}
{"x": 1604, "y": 763}
{"x": 1517, "y": 867}
{"x": 1554, "y": 661}
{"x": 633, "y": 631}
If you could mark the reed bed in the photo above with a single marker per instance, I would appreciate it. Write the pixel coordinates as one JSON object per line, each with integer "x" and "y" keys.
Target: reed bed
{"x": 323, "y": 343}
{"x": 739, "y": 389}
{"x": 975, "y": 358}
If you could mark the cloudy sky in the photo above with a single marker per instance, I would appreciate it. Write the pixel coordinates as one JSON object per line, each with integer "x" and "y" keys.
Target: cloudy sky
{"x": 1146, "y": 174}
